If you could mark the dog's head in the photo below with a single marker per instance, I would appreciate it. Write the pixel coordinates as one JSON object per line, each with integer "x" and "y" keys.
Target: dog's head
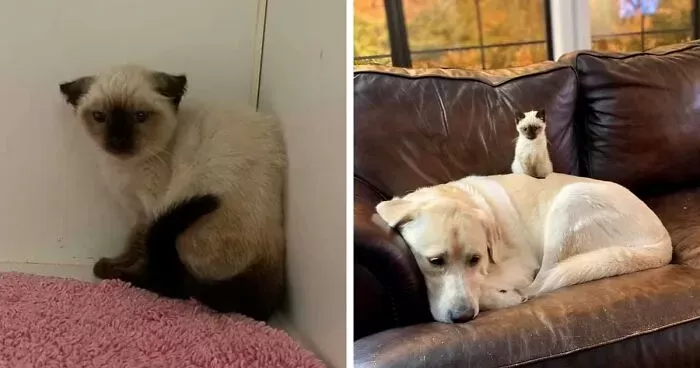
{"x": 530, "y": 124}
{"x": 128, "y": 111}
{"x": 451, "y": 232}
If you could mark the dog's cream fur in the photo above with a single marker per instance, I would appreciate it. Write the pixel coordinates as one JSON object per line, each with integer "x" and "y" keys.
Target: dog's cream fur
{"x": 563, "y": 229}
{"x": 531, "y": 153}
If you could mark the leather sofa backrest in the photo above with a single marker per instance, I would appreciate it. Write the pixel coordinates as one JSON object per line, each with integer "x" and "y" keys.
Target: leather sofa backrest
{"x": 416, "y": 128}
{"x": 638, "y": 120}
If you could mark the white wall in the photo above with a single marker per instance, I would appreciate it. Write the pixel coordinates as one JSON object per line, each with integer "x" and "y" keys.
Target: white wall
{"x": 571, "y": 28}
{"x": 54, "y": 210}
{"x": 303, "y": 83}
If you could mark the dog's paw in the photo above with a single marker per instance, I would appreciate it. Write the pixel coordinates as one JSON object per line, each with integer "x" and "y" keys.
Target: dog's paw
{"x": 530, "y": 291}
{"x": 523, "y": 297}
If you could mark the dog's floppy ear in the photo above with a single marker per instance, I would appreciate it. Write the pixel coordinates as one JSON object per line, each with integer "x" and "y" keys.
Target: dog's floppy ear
{"x": 540, "y": 114}
{"x": 495, "y": 251}
{"x": 171, "y": 86}
{"x": 396, "y": 211}
{"x": 493, "y": 236}
{"x": 72, "y": 91}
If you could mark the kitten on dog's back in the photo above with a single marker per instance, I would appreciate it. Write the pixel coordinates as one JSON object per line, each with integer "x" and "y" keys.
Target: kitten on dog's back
{"x": 531, "y": 153}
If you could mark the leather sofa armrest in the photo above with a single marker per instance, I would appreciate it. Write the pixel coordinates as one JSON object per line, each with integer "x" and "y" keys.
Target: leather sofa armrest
{"x": 649, "y": 318}
{"x": 389, "y": 288}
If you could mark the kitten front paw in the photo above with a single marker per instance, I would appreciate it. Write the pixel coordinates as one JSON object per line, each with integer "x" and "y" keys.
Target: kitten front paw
{"x": 106, "y": 268}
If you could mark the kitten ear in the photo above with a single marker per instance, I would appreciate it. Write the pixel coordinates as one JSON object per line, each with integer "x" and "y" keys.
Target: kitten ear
{"x": 171, "y": 86}
{"x": 72, "y": 91}
{"x": 395, "y": 211}
{"x": 519, "y": 116}
{"x": 540, "y": 115}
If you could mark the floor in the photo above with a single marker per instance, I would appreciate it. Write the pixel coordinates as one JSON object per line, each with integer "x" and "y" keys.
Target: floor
{"x": 84, "y": 272}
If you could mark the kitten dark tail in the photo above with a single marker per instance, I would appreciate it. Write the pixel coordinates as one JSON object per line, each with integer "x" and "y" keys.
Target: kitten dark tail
{"x": 165, "y": 273}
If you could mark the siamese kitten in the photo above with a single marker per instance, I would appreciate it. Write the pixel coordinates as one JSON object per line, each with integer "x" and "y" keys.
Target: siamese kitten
{"x": 204, "y": 184}
{"x": 531, "y": 154}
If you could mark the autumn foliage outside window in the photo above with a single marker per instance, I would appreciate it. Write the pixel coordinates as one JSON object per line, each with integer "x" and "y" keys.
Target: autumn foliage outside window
{"x": 637, "y": 25}
{"x": 456, "y": 33}
{"x": 489, "y": 34}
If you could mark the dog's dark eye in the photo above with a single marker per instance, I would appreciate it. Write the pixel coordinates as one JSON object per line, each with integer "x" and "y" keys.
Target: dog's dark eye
{"x": 474, "y": 260}
{"x": 437, "y": 261}
{"x": 99, "y": 116}
{"x": 141, "y": 116}
{"x": 502, "y": 291}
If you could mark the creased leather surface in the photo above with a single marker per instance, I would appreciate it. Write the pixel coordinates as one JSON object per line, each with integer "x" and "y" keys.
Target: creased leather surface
{"x": 419, "y": 128}
{"x": 583, "y": 320}
{"x": 382, "y": 252}
{"x": 639, "y": 117}
{"x": 680, "y": 214}
{"x": 372, "y": 304}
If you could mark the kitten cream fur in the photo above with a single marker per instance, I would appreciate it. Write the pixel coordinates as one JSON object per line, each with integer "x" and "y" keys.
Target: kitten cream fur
{"x": 195, "y": 149}
{"x": 215, "y": 151}
{"x": 531, "y": 154}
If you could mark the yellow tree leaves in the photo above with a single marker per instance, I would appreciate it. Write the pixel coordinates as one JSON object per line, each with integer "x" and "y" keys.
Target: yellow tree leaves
{"x": 437, "y": 27}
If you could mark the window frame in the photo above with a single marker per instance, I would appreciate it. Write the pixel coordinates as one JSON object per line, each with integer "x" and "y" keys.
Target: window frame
{"x": 571, "y": 26}
{"x": 568, "y": 28}
{"x": 401, "y": 52}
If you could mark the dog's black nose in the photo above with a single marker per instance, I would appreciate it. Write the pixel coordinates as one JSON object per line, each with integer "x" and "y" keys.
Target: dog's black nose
{"x": 461, "y": 314}
{"x": 462, "y": 319}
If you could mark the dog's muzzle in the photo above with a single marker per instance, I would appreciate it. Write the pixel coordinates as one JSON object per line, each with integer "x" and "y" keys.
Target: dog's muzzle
{"x": 461, "y": 313}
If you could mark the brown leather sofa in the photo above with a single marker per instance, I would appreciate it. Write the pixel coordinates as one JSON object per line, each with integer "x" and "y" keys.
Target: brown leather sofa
{"x": 628, "y": 118}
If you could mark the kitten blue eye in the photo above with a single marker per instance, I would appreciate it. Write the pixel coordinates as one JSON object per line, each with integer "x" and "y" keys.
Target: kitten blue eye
{"x": 141, "y": 116}
{"x": 99, "y": 116}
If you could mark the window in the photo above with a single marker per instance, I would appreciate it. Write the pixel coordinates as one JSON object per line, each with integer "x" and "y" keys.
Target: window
{"x": 371, "y": 38}
{"x": 488, "y": 34}
{"x": 474, "y": 34}
{"x": 637, "y": 25}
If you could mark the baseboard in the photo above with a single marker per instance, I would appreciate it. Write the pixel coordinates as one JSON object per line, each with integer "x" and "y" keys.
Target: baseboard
{"x": 76, "y": 271}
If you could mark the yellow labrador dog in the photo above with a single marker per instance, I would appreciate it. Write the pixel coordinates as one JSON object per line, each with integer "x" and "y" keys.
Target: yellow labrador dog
{"x": 492, "y": 242}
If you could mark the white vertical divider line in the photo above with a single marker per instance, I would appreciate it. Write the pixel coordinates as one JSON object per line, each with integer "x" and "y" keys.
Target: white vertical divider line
{"x": 254, "y": 99}
{"x": 571, "y": 29}
{"x": 582, "y": 19}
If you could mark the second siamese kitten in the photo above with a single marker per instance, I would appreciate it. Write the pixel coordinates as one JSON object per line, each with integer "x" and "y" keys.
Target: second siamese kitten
{"x": 204, "y": 184}
{"x": 531, "y": 154}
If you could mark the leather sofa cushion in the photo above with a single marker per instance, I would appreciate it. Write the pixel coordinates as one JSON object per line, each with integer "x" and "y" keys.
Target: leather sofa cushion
{"x": 680, "y": 213}
{"x": 639, "y": 116}
{"x": 646, "y": 319}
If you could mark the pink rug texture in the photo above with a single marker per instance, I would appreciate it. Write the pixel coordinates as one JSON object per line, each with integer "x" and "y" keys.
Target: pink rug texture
{"x": 48, "y": 322}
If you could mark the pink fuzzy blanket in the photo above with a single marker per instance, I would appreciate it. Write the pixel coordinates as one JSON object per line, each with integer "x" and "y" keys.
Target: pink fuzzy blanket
{"x": 53, "y": 322}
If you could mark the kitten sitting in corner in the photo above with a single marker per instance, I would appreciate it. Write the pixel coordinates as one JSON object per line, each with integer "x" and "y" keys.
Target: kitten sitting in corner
{"x": 531, "y": 154}
{"x": 204, "y": 185}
